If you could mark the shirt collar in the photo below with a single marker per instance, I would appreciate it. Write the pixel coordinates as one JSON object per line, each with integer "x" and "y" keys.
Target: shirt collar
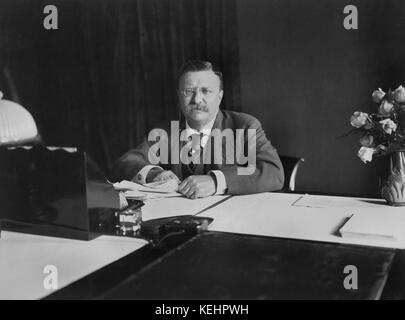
{"x": 206, "y": 130}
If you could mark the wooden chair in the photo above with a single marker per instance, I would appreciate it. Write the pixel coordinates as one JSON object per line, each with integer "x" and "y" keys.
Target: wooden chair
{"x": 291, "y": 165}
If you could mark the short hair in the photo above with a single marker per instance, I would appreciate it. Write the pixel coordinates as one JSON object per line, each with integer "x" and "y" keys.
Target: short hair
{"x": 200, "y": 65}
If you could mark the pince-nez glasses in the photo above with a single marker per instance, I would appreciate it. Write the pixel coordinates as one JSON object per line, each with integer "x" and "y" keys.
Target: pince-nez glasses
{"x": 189, "y": 92}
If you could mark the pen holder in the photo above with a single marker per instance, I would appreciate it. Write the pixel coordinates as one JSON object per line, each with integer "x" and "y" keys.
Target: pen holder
{"x": 124, "y": 222}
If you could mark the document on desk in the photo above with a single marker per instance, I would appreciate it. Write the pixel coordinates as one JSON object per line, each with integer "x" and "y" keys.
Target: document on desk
{"x": 133, "y": 190}
{"x": 312, "y": 201}
{"x": 373, "y": 226}
{"x": 272, "y": 214}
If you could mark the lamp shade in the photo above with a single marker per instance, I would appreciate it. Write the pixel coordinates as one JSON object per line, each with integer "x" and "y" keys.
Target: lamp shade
{"x": 16, "y": 123}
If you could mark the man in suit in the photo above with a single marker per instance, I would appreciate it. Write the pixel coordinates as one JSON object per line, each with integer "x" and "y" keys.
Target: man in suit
{"x": 200, "y": 171}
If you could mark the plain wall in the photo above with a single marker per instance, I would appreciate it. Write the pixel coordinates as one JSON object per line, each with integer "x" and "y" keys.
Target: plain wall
{"x": 303, "y": 75}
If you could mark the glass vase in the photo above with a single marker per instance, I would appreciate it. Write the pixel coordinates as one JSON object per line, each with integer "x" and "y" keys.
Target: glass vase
{"x": 393, "y": 179}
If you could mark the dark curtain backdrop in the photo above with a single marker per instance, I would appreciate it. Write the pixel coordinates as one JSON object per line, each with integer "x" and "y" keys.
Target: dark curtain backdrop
{"x": 108, "y": 74}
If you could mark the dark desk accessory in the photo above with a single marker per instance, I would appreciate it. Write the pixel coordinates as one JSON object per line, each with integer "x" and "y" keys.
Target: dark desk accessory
{"x": 159, "y": 231}
{"x": 55, "y": 191}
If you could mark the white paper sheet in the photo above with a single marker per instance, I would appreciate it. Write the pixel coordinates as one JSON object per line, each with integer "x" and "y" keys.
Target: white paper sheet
{"x": 312, "y": 201}
{"x": 374, "y": 226}
{"x": 133, "y": 190}
{"x": 169, "y": 207}
{"x": 271, "y": 214}
{"x": 23, "y": 258}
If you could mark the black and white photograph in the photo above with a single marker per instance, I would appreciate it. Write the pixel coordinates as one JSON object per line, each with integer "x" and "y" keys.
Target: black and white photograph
{"x": 202, "y": 154}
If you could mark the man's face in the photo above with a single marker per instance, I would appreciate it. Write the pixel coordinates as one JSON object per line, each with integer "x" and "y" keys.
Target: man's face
{"x": 200, "y": 96}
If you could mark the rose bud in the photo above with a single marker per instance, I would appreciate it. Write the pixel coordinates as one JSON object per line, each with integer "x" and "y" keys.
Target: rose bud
{"x": 358, "y": 119}
{"x": 399, "y": 94}
{"x": 378, "y": 95}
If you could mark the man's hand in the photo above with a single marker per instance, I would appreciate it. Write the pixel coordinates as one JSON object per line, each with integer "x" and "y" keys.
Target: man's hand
{"x": 198, "y": 187}
{"x": 155, "y": 176}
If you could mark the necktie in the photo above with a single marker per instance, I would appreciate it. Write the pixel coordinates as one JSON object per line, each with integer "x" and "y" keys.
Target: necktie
{"x": 196, "y": 150}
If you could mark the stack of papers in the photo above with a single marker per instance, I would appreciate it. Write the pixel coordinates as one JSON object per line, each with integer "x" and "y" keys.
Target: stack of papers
{"x": 372, "y": 226}
{"x": 136, "y": 191}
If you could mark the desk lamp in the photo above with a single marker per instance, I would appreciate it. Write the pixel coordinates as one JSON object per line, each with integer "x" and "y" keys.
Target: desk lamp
{"x": 17, "y": 126}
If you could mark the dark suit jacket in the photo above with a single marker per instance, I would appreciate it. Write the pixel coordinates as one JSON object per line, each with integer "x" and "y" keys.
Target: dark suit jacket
{"x": 268, "y": 174}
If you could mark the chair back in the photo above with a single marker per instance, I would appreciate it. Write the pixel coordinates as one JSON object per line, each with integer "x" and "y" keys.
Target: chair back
{"x": 290, "y": 165}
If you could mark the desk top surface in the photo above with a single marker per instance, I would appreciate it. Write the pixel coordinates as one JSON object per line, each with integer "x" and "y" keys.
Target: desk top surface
{"x": 316, "y": 218}
{"x": 217, "y": 265}
{"x": 285, "y": 215}
{"x": 23, "y": 258}
{"x": 267, "y": 214}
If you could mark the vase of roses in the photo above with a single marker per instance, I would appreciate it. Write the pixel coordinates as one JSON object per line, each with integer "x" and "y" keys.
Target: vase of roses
{"x": 383, "y": 134}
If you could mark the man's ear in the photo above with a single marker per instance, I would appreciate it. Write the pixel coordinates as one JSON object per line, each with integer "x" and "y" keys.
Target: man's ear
{"x": 221, "y": 93}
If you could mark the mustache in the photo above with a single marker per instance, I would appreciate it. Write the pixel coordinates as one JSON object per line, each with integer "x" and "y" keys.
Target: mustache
{"x": 193, "y": 107}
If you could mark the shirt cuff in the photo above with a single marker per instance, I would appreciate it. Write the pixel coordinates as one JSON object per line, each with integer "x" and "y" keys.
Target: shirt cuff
{"x": 221, "y": 181}
{"x": 140, "y": 177}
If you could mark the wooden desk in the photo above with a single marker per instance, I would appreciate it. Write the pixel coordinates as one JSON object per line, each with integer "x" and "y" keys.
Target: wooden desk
{"x": 216, "y": 265}
{"x": 260, "y": 221}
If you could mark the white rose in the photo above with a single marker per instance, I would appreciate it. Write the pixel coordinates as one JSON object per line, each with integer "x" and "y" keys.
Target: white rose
{"x": 385, "y": 108}
{"x": 378, "y": 95}
{"x": 366, "y": 154}
{"x": 388, "y": 125}
{"x": 358, "y": 119}
{"x": 399, "y": 94}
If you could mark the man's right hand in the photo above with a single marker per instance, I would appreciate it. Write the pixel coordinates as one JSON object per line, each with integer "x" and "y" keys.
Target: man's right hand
{"x": 157, "y": 174}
